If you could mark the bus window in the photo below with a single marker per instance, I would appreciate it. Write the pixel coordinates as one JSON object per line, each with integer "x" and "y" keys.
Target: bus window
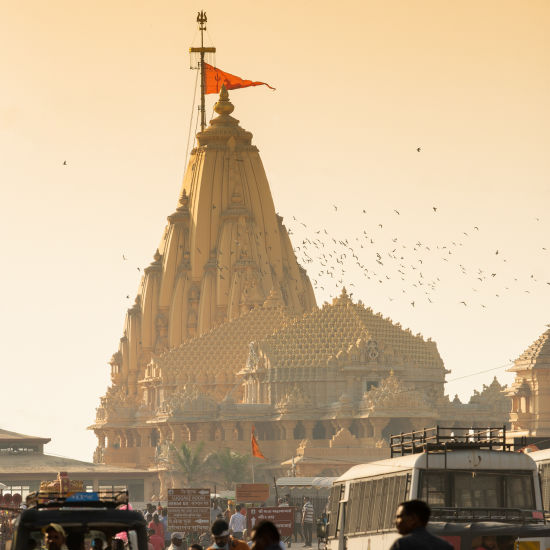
{"x": 435, "y": 488}
{"x": 519, "y": 492}
{"x": 476, "y": 490}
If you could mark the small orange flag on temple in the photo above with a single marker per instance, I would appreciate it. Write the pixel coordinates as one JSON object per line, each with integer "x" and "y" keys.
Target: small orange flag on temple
{"x": 215, "y": 78}
{"x": 255, "y": 447}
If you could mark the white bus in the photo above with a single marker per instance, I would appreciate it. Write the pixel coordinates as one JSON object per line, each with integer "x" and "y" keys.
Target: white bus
{"x": 465, "y": 475}
{"x": 542, "y": 459}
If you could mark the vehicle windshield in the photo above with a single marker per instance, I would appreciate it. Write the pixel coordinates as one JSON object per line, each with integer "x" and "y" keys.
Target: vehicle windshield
{"x": 467, "y": 489}
{"x": 77, "y": 536}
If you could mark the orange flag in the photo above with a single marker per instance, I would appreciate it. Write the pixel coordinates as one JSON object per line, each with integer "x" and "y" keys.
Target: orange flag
{"x": 255, "y": 447}
{"x": 216, "y": 77}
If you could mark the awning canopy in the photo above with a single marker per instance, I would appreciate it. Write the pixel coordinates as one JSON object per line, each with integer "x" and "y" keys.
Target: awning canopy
{"x": 313, "y": 482}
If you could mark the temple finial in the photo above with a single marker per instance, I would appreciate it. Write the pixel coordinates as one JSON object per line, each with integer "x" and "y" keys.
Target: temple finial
{"x": 223, "y": 105}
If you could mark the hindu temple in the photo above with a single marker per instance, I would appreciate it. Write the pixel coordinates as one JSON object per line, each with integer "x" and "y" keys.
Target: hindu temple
{"x": 226, "y": 335}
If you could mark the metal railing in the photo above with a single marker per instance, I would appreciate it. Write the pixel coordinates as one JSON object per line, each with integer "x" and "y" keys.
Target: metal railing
{"x": 441, "y": 438}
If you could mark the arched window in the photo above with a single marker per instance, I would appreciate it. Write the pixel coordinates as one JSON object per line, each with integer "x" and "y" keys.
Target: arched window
{"x": 319, "y": 431}
{"x": 299, "y": 431}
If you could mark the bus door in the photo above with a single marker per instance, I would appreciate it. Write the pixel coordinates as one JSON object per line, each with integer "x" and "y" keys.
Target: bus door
{"x": 336, "y": 517}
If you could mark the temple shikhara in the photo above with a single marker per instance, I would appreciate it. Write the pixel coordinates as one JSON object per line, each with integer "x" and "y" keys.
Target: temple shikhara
{"x": 225, "y": 335}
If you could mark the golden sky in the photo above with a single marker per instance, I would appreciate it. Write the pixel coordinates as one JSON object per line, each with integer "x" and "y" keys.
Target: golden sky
{"x": 106, "y": 86}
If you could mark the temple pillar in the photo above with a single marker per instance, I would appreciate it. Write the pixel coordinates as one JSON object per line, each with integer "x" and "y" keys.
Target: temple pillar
{"x": 309, "y": 425}
{"x": 228, "y": 431}
{"x": 378, "y": 424}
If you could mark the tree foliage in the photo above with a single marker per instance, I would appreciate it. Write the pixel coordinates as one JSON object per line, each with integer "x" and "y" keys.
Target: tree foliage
{"x": 232, "y": 466}
{"x": 189, "y": 461}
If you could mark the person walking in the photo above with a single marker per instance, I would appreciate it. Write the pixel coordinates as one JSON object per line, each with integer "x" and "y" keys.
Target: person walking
{"x": 298, "y": 524}
{"x": 411, "y": 519}
{"x": 176, "y": 541}
{"x": 237, "y": 523}
{"x": 223, "y": 540}
{"x": 266, "y": 536}
{"x": 307, "y": 521}
{"x": 157, "y": 526}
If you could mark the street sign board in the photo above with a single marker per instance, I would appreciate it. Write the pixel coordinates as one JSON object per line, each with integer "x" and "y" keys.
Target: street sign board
{"x": 252, "y": 492}
{"x": 188, "y": 510}
{"x": 281, "y": 516}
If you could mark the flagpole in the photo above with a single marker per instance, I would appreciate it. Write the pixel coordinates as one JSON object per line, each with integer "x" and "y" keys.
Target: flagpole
{"x": 201, "y": 20}
{"x": 252, "y": 462}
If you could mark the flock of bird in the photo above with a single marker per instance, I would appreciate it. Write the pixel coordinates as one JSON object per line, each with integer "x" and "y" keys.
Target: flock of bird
{"x": 402, "y": 268}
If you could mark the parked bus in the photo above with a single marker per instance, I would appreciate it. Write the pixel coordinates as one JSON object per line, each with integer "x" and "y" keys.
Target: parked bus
{"x": 542, "y": 459}
{"x": 464, "y": 474}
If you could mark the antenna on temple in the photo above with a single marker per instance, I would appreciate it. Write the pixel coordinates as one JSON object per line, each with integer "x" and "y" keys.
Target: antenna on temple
{"x": 201, "y": 20}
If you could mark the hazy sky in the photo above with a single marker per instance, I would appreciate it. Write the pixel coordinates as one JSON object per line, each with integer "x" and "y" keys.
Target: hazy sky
{"x": 106, "y": 86}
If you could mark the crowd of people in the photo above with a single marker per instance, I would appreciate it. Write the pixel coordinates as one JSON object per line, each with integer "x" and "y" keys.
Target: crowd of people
{"x": 234, "y": 515}
{"x": 410, "y": 520}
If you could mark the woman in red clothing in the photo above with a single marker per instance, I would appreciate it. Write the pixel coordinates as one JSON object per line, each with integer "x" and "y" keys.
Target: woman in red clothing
{"x": 157, "y": 526}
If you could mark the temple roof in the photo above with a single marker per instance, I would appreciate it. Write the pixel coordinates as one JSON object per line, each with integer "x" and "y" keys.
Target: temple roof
{"x": 215, "y": 357}
{"x": 536, "y": 355}
{"x": 7, "y": 436}
{"x": 338, "y": 328}
{"x": 38, "y": 463}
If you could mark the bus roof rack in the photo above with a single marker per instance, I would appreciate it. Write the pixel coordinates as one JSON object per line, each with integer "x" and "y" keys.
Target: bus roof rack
{"x": 103, "y": 499}
{"x": 444, "y": 439}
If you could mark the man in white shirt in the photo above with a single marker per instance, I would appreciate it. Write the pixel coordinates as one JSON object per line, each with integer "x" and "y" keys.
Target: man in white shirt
{"x": 237, "y": 523}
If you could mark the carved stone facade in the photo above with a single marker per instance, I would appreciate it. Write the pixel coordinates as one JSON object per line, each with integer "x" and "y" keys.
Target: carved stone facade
{"x": 225, "y": 335}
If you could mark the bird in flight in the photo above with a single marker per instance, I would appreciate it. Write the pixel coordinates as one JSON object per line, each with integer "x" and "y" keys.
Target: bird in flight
{"x": 65, "y": 163}
{"x": 124, "y": 257}
{"x": 397, "y": 212}
{"x": 434, "y": 208}
{"x": 335, "y": 207}
{"x": 418, "y": 149}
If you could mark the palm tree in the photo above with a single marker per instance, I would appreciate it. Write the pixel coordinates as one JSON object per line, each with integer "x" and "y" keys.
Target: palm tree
{"x": 232, "y": 466}
{"x": 189, "y": 461}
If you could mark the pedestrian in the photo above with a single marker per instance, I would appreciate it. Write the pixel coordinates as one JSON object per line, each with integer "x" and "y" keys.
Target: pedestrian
{"x": 411, "y": 519}
{"x": 164, "y": 521}
{"x": 229, "y": 511}
{"x": 237, "y": 523}
{"x": 157, "y": 527}
{"x": 307, "y": 521}
{"x": 266, "y": 536}
{"x": 156, "y": 540}
{"x": 298, "y": 524}
{"x": 55, "y": 537}
{"x": 176, "y": 542}
{"x": 215, "y": 511}
{"x": 222, "y": 538}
